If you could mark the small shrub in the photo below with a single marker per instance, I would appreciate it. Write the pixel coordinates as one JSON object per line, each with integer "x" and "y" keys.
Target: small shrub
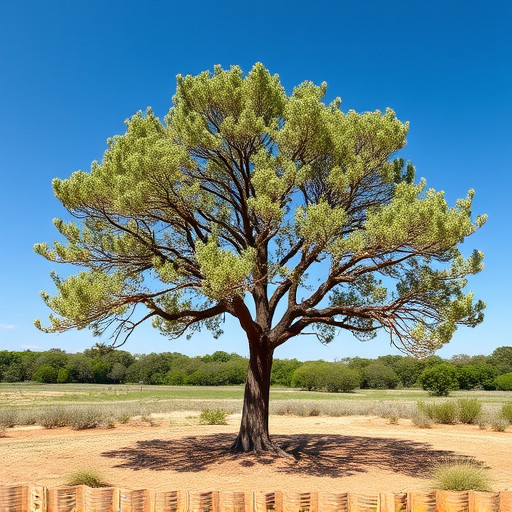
{"x": 499, "y": 424}
{"x": 468, "y": 410}
{"x": 149, "y": 418}
{"x": 462, "y": 475}
{"x": 89, "y": 477}
{"x": 393, "y": 420}
{"x": 54, "y": 417}
{"x": 8, "y": 418}
{"x": 82, "y": 418}
{"x": 123, "y": 419}
{"x": 315, "y": 411}
{"x": 442, "y": 412}
{"x": 483, "y": 422}
{"x": 506, "y": 411}
{"x": 213, "y": 417}
{"x": 422, "y": 420}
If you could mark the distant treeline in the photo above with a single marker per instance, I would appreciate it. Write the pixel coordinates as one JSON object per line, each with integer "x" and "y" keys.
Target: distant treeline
{"x": 102, "y": 365}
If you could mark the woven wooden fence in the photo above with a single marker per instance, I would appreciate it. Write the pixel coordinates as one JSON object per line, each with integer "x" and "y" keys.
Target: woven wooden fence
{"x": 33, "y": 498}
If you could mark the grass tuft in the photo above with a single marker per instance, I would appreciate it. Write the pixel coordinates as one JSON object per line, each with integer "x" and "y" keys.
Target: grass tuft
{"x": 440, "y": 412}
{"x": 468, "y": 410}
{"x": 506, "y": 411}
{"x": 499, "y": 424}
{"x": 460, "y": 475}
{"x": 422, "y": 420}
{"x": 89, "y": 477}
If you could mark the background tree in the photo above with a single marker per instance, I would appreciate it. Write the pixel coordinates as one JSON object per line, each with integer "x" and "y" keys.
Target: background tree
{"x": 378, "y": 375}
{"x": 282, "y": 211}
{"x": 439, "y": 380}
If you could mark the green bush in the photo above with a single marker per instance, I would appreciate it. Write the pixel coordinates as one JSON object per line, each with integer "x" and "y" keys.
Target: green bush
{"x": 506, "y": 411}
{"x": 440, "y": 412}
{"x": 309, "y": 375}
{"x": 504, "y": 382}
{"x": 46, "y": 374}
{"x": 213, "y": 417}
{"x": 378, "y": 375}
{"x": 439, "y": 380}
{"x": 476, "y": 375}
{"x": 331, "y": 377}
{"x": 63, "y": 376}
{"x": 463, "y": 475}
{"x": 468, "y": 410}
{"x": 339, "y": 378}
{"x": 89, "y": 477}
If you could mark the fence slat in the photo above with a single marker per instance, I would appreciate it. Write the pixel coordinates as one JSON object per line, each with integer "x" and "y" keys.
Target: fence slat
{"x": 140, "y": 500}
{"x": 32, "y": 498}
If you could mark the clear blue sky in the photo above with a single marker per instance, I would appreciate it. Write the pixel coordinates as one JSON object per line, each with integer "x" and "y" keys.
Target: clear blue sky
{"x": 71, "y": 72}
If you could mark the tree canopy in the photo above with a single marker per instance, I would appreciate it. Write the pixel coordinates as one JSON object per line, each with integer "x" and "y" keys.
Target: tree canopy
{"x": 280, "y": 210}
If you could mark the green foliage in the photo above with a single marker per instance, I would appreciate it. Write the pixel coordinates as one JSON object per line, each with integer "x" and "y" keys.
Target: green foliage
{"x": 506, "y": 411}
{"x": 308, "y": 376}
{"x": 501, "y": 359}
{"x": 378, "y": 375}
{"x": 89, "y": 477}
{"x": 409, "y": 370}
{"x": 339, "y": 378}
{"x": 331, "y": 377}
{"x": 282, "y": 371}
{"x": 472, "y": 376}
{"x": 439, "y": 380}
{"x": 45, "y": 373}
{"x": 440, "y": 412}
{"x": 504, "y": 382}
{"x": 461, "y": 475}
{"x": 63, "y": 376}
{"x": 80, "y": 368}
{"x": 468, "y": 410}
{"x": 185, "y": 220}
{"x": 213, "y": 417}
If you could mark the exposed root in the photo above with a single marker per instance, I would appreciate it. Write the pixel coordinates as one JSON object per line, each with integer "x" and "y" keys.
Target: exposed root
{"x": 243, "y": 444}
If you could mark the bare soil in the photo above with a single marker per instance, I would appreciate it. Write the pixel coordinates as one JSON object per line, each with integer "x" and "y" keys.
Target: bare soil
{"x": 350, "y": 454}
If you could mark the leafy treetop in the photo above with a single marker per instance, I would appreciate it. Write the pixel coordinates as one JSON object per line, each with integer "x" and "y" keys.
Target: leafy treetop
{"x": 247, "y": 192}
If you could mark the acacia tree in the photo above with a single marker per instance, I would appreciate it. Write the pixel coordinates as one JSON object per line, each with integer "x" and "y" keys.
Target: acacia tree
{"x": 280, "y": 210}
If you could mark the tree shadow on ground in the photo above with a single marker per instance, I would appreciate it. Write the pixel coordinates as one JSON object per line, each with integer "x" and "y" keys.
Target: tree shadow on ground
{"x": 332, "y": 456}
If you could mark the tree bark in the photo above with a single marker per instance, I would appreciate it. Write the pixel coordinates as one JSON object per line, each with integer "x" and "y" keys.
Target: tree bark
{"x": 254, "y": 435}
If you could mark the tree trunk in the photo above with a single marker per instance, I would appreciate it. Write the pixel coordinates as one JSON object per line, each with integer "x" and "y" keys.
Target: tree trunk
{"x": 253, "y": 435}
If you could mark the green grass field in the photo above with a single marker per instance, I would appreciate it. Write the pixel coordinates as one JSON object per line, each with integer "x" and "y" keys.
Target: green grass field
{"x": 26, "y": 395}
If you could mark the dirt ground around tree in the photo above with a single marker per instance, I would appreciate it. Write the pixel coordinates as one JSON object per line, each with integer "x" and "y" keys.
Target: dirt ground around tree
{"x": 350, "y": 454}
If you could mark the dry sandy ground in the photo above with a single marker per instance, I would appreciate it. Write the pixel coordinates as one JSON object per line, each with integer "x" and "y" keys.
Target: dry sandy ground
{"x": 350, "y": 454}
